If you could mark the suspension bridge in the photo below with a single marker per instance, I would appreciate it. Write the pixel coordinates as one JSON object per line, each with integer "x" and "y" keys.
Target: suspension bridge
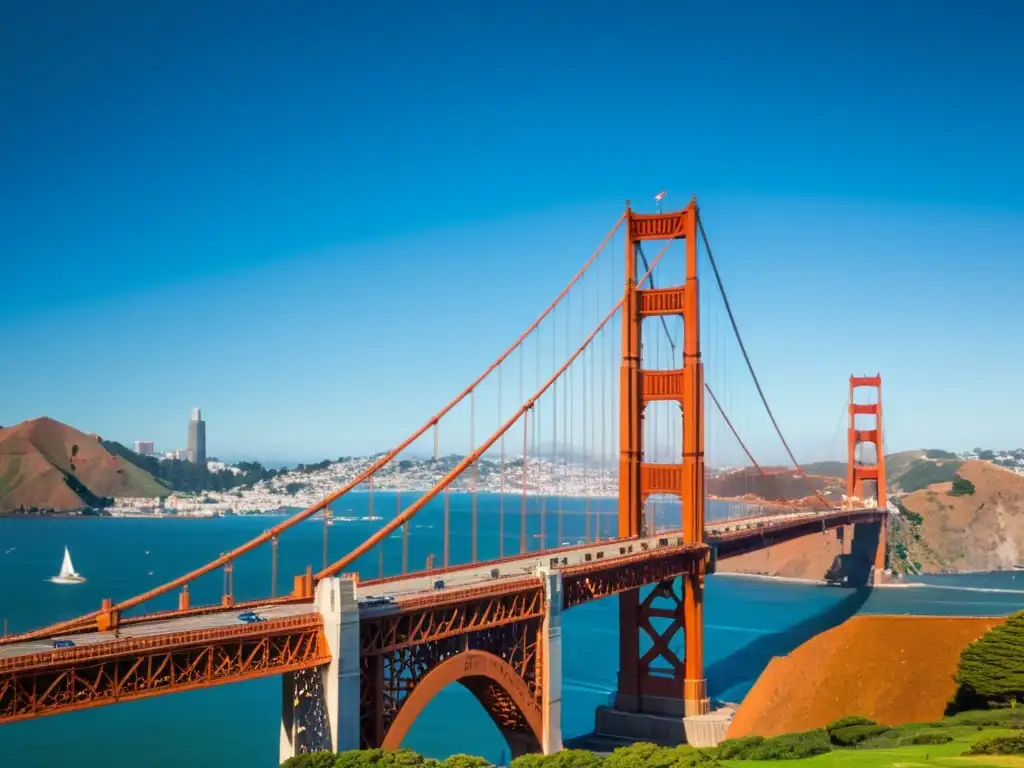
{"x": 604, "y": 399}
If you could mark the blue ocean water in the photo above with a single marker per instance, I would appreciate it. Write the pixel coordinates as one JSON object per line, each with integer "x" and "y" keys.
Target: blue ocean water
{"x": 748, "y": 621}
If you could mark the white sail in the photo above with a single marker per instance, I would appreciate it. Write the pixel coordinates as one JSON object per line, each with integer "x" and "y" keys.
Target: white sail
{"x": 66, "y": 568}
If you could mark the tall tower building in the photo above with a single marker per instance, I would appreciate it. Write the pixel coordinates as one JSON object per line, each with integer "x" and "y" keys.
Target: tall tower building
{"x": 197, "y": 439}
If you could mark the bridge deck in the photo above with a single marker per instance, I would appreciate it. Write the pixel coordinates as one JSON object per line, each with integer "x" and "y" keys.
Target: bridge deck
{"x": 414, "y": 588}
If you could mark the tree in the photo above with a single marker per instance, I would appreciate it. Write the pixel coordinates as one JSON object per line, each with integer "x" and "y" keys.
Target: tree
{"x": 991, "y": 669}
{"x": 961, "y": 487}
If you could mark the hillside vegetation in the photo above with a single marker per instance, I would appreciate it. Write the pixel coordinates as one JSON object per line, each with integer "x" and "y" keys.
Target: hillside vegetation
{"x": 970, "y": 517}
{"x": 847, "y": 741}
{"x": 913, "y": 470}
{"x": 187, "y": 477}
{"x": 46, "y": 465}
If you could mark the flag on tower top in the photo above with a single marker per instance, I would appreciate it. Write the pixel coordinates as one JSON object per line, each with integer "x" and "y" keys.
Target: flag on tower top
{"x": 661, "y": 195}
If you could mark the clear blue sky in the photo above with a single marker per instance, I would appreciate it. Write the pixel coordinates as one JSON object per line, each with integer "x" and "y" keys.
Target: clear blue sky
{"x": 318, "y": 220}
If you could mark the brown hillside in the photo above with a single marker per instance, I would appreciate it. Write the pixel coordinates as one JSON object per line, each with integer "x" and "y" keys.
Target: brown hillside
{"x": 777, "y": 485}
{"x": 983, "y": 531}
{"x": 892, "y": 669}
{"x": 809, "y": 557}
{"x": 37, "y": 457}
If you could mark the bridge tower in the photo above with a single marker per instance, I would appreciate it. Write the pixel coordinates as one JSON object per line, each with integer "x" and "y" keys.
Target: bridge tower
{"x": 857, "y": 473}
{"x": 656, "y": 681}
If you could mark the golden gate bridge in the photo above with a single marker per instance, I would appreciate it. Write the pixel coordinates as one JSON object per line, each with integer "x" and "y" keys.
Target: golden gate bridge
{"x": 609, "y": 381}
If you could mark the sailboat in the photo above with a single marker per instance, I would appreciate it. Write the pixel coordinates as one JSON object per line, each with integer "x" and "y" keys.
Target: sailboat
{"x": 67, "y": 573}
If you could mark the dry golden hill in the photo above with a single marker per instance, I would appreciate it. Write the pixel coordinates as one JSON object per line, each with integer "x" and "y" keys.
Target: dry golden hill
{"x": 809, "y": 557}
{"x": 947, "y": 529}
{"x": 775, "y": 485}
{"x": 892, "y": 669}
{"x": 51, "y": 466}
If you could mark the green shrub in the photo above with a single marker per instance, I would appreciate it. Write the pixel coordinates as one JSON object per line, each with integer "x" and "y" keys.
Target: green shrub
{"x": 403, "y": 757}
{"x": 852, "y": 735}
{"x": 572, "y": 758}
{"x": 927, "y": 737}
{"x": 737, "y": 749}
{"x": 640, "y": 753}
{"x": 989, "y": 718}
{"x": 311, "y": 760}
{"x": 529, "y": 761}
{"x": 358, "y": 758}
{"x": 791, "y": 746}
{"x": 374, "y": 758}
{"x": 650, "y": 755}
{"x": 991, "y": 669}
{"x": 465, "y": 761}
{"x": 846, "y": 722}
{"x": 1002, "y": 745}
{"x": 961, "y": 487}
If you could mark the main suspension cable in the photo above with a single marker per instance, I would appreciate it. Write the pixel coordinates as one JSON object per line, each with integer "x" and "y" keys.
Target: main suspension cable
{"x": 768, "y": 478}
{"x": 750, "y": 365}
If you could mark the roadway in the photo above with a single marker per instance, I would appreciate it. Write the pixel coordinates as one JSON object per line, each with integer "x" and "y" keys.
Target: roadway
{"x": 403, "y": 588}
{"x": 154, "y": 628}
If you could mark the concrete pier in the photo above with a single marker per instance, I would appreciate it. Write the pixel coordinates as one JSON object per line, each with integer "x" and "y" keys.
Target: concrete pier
{"x": 551, "y": 659}
{"x": 660, "y": 720}
{"x": 320, "y": 707}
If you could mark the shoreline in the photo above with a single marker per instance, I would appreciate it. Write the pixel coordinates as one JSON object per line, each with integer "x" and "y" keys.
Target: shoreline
{"x": 768, "y": 577}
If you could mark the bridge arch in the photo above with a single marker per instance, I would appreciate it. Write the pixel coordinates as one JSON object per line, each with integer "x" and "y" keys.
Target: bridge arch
{"x": 496, "y": 685}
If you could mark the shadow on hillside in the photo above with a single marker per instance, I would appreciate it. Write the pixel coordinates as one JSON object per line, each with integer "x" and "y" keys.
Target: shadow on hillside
{"x": 748, "y": 662}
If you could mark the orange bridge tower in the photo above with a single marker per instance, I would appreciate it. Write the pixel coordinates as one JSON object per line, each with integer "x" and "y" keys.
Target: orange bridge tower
{"x": 858, "y": 473}
{"x": 654, "y": 680}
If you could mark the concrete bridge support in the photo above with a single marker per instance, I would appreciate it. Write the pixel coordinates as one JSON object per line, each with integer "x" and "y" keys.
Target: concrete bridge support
{"x": 551, "y": 654}
{"x": 320, "y": 707}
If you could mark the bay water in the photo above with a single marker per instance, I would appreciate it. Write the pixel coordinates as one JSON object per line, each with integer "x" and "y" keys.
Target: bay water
{"x": 747, "y": 620}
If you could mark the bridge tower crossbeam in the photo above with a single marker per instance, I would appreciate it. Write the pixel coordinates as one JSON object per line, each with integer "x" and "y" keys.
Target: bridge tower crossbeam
{"x": 658, "y": 675}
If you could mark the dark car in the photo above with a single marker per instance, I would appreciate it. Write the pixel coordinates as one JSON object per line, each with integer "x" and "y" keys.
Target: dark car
{"x": 63, "y": 643}
{"x": 251, "y": 617}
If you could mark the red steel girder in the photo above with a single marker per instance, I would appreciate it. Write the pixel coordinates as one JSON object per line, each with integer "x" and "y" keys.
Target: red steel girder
{"x": 601, "y": 578}
{"x": 425, "y": 621}
{"x": 122, "y": 670}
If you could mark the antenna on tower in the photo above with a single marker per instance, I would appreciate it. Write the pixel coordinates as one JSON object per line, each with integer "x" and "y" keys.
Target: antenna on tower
{"x": 659, "y": 197}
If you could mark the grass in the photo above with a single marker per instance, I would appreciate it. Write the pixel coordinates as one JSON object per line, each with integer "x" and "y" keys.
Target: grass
{"x": 946, "y": 755}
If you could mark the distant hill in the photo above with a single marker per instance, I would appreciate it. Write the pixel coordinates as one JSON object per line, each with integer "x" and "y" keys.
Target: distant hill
{"x": 776, "y": 485}
{"x": 47, "y": 465}
{"x": 971, "y": 517}
{"x": 827, "y": 469}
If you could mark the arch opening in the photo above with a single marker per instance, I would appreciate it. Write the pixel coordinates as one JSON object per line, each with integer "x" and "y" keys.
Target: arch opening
{"x": 495, "y": 684}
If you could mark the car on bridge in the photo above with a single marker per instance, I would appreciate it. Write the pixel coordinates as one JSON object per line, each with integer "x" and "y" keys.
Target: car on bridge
{"x": 371, "y": 601}
{"x": 251, "y": 617}
{"x": 63, "y": 643}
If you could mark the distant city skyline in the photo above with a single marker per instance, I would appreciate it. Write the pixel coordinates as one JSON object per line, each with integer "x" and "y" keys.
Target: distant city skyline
{"x": 332, "y": 265}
